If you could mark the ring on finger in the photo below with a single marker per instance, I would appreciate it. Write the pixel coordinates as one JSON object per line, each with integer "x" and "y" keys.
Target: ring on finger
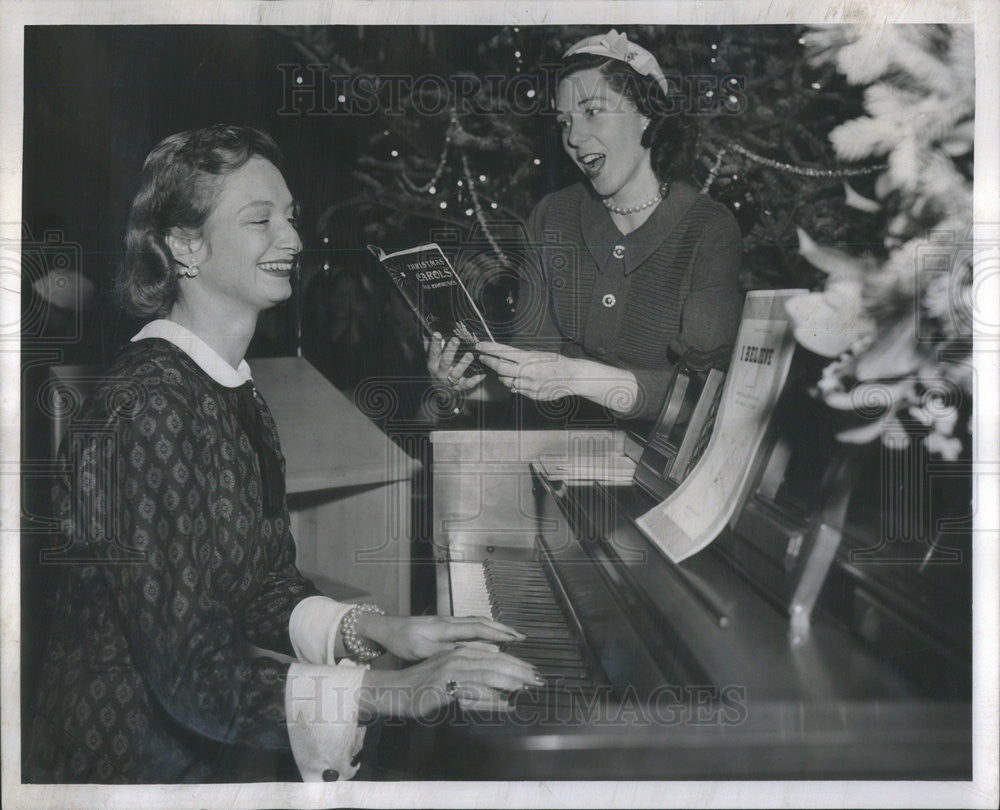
{"x": 451, "y": 687}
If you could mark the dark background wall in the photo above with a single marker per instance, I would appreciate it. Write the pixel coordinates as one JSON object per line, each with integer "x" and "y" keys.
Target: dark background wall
{"x": 97, "y": 99}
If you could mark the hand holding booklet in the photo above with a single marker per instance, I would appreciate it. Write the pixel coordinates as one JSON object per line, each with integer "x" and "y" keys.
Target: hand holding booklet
{"x": 435, "y": 293}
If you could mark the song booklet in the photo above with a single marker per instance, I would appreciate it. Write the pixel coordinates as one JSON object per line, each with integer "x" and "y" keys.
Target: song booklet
{"x": 435, "y": 293}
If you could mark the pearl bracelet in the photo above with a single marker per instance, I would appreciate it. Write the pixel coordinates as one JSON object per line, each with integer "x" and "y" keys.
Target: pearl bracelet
{"x": 360, "y": 650}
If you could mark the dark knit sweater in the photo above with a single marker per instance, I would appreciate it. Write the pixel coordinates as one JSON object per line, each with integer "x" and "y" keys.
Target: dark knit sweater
{"x": 171, "y": 568}
{"x": 672, "y": 285}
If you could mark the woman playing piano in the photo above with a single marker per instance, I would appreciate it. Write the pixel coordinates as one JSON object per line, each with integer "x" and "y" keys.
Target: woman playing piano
{"x": 175, "y": 516}
{"x": 654, "y": 277}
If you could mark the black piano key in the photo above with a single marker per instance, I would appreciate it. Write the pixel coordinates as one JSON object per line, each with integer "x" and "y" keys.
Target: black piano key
{"x": 543, "y": 644}
{"x": 535, "y": 655}
{"x": 518, "y": 583}
{"x": 549, "y": 658}
{"x": 566, "y": 655}
{"x": 539, "y": 618}
{"x": 520, "y": 576}
{"x": 542, "y": 630}
{"x": 512, "y": 564}
{"x": 560, "y": 675}
{"x": 530, "y": 603}
{"x": 533, "y": 611}
{"x": 536, "y": 600}
{"x": 544, "y": 697}
{"x": 551, "y": 634}
{"x": 539, "y": 614}
{"x": 519, "y": 588}
{"x": 564, "y": 676}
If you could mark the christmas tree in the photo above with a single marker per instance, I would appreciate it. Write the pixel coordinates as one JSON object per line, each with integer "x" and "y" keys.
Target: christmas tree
{"x": 458, "y": 142}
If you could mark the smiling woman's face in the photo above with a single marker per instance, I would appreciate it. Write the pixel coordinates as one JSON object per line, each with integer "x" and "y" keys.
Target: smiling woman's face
{"x": 251, "y": 238}
{"x": 602, "y": 133}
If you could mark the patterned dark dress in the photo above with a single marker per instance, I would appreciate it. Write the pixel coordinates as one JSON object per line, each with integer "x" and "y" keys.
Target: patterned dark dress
{"x": 172, "y": 569}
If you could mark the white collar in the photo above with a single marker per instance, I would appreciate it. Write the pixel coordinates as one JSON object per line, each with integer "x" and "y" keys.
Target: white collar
{"x": 207, "y": 358}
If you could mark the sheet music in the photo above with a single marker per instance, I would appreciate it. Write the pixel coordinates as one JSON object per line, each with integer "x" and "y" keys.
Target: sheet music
{"x": 700, "y": 507}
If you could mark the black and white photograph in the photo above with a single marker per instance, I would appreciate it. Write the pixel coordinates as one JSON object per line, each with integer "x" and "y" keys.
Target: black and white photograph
{"x": 573, "y": 404}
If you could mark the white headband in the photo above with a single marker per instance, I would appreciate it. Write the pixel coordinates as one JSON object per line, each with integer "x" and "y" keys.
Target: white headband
{"x": 616, "y": 46}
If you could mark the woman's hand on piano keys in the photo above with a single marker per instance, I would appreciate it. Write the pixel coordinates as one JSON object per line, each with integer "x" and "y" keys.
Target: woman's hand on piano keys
{"x": 473, "y": 675}
{"x": 414, "y": 638}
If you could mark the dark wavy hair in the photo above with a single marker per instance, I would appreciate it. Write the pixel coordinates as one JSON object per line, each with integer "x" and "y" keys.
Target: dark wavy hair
{"x": 672, "y": 134}
{"x": 178, "y": 187}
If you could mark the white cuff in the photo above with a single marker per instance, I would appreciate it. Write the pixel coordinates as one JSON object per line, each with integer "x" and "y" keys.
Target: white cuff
{"x": 312, "y": 628}
{"x": 321, "y": 707}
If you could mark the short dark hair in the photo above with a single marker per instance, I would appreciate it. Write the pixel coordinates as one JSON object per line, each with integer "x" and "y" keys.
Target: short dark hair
{"x": 672, "y": 134}
{"x": 178, "y": 187}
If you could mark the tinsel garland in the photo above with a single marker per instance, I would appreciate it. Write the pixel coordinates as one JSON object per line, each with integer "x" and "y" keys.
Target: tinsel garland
{"x": 805, "y": 171}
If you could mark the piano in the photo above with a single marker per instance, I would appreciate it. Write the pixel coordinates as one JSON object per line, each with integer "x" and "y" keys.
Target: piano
{"x": 795, "y": 646}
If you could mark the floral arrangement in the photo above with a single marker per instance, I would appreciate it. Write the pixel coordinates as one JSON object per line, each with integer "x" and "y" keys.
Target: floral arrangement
{"x": 897, "y": 320}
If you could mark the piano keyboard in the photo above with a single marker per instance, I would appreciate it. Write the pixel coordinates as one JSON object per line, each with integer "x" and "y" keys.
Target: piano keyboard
{"x": 518, "y": 594}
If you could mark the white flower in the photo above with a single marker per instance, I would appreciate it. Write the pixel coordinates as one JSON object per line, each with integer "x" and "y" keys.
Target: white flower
{"x": 831, "y": 322}
{"x": 919, "y": 105}
{"x": 945, "y": 419}
{"x": 858, "y": 201}
{"x": 830, "y": 380}
{"x": 894, "y": 354}
{"x": 948, "y": 447}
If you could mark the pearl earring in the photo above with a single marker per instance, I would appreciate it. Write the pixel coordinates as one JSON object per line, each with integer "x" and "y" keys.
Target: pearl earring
{"x": 190, "y": 271}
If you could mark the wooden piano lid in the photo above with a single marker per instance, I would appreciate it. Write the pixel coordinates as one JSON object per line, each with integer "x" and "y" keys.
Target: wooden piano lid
{"x": 326, "y": 440}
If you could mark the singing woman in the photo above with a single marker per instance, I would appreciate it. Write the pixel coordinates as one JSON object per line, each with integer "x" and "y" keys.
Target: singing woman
{"x": 652, "y": 276}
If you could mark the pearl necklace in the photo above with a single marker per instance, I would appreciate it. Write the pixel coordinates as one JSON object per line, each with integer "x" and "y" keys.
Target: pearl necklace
{"x": 617, "y": 209}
